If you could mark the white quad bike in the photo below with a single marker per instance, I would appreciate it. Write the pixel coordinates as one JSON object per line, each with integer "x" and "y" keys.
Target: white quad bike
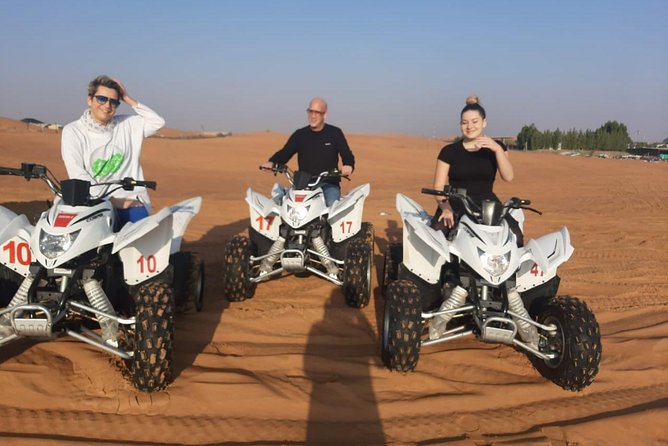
{"x": 80, "y": 275}
{"x": 10, "y": 280}
{"x": 477, "y": 281}
{"x": 295, "y": 232}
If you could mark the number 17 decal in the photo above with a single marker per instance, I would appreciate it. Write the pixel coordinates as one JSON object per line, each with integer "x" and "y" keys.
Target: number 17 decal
{"x": 261, "y": 221}
{"x": 349, "y": 225}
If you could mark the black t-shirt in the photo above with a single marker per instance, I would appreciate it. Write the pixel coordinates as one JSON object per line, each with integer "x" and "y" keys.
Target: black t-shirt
{"x": 316, "y": 151}
{"x": 473, "y": 171}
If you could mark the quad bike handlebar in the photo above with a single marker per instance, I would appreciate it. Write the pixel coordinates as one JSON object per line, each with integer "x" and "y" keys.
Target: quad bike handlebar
{"x": 38, "y": 171}
{"x": 491, "y": 212}
{"x": 304, "y": 180}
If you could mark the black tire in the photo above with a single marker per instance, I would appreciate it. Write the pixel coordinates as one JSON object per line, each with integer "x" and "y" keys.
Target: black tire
{"x": 357, "y": 276}
{"x": 195, "y": 282}
{"x": 577, "y": 343}
{"x": 237, "y": 285}
{"x": 394, "y": 254}
{"x": 188, "y": 281}
{"x": 402, "y": 326}
{"x": 10, "y": 281}
{"x": 368, "y": 236}
{"x": 151, "y": 365}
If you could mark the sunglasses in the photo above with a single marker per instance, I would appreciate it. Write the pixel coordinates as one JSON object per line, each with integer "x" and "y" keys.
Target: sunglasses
{"x": 103, "y": 100}
{"x": 310, "y": 111}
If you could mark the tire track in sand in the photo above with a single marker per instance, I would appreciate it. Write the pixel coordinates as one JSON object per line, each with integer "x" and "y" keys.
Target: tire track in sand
{"x": 501, "y": 421}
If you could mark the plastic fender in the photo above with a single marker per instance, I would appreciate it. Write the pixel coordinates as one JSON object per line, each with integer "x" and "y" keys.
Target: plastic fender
{"x": 264, "y": 214}
{"x": 518, "y": 215}
{"x": 542, "y": 257}
{"x": 473, "y": 239}
{"x": 16, "y": 253}
{"x": 6, "y": 216}
{"x": 300, "y": 207}
{"x": 12, "y": 228}
{"x": 425, "y": 249}
{"x": 278, "y": 191}
{"x": 345, "y": 215}
{"x": 183, "y": 212}
{"x": 147, "y": 256}
{"x": 133, "y": 231}
{"x": 407, "y": 207}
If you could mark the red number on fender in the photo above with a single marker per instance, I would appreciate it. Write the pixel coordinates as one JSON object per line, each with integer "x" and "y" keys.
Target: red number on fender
{"x": 18, "y": 252}
{"x": 260, "y": 220}
{"x": 535, "y": 271}
{"x": 148, "y": 264}
{"x": 344, "y": 224}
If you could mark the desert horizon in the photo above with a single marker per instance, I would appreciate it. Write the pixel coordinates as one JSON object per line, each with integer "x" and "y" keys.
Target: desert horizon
{"x": 296, "y": 365}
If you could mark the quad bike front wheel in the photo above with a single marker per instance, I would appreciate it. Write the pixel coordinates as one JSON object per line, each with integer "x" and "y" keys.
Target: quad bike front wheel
{"x": 402, "y": 326}
{"x": 237, "y": 285}
{"x": 577, "y": 343}
{"x": 357, "y": 275}
{"x": 151, "y": 364}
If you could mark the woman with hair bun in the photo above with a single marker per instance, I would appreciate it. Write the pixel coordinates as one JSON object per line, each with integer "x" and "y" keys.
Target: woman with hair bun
{"x": 472, "y": 163}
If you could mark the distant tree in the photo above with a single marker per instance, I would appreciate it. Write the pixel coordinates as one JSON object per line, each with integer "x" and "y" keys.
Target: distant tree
{"x": 612, "y": 135}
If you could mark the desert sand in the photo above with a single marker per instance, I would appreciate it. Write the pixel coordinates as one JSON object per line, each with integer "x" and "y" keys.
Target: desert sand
{"x": 295, "y": 365}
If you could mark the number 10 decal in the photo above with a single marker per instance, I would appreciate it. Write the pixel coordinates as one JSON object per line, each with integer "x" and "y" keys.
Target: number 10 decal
{"x": 18, "y": 252}
{"x": 147, "y": 264}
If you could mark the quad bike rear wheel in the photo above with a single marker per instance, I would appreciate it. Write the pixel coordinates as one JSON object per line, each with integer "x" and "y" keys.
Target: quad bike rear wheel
{"x": 402, "y": 326}
{"x": 357, "y": 275}
{"x": 151, "y": 364}
{"x": 577, "y": 343}
{"x": 391, "y": 260}
{"x": 237, "y": 285}
{"x": 368, "y": 235}
{"x": 188, "y": 280}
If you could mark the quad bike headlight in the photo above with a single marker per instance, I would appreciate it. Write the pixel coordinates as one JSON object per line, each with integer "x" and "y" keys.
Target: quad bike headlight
{"x": 53, "y": 246}
{"x": 495, "y": 264}
{"x": 297, "y": 214}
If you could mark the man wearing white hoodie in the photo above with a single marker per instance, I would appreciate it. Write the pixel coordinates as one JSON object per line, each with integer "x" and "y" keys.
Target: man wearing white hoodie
{"x": 102, "y": 146}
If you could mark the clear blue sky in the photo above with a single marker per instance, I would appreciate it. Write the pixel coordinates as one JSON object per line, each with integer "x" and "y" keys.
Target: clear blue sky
{"x": 383, "y": 66}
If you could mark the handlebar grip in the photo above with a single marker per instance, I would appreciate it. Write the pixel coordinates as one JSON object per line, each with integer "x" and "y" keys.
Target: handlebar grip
{"x": 10, "y": 171}
{"x": 432, "y": 191}
{"x": 150, "y": 184}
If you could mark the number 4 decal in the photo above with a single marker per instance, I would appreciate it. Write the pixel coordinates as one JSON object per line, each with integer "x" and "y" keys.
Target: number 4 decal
{"x": 535, "y": 271}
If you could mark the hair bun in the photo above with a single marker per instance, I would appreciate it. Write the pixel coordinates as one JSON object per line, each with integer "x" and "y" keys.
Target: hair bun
{"x": 472, "y": 100}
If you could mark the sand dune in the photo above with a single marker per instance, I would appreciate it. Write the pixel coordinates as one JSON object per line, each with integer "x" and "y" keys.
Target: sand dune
{"x": 295, "y": 365}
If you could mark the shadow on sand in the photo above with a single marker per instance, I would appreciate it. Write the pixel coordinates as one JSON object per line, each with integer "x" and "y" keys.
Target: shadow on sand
{"x": 342, "y": 349}
{"x": 195, "y": 331}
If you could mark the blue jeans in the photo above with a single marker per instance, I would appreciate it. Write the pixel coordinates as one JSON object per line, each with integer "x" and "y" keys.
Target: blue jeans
{"x": 132, "y": 214}
{"x": 331, "y": 192}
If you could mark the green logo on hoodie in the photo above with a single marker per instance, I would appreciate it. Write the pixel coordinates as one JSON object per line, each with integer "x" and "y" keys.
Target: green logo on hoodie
{"x": 104, "y": 167}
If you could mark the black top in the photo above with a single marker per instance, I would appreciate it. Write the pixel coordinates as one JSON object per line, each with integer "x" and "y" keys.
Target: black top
{"x": 473, "y": 171}
{"x": 316, "y": 151}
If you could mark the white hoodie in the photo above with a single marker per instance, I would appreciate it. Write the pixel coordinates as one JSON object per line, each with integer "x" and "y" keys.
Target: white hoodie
{"x": 97, "y": 153}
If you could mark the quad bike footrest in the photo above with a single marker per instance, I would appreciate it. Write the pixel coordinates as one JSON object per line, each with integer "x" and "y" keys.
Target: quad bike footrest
{"x": 292, "y": 260}
{"x": 32, "y": 320}
{"x": 498, "y": 329}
